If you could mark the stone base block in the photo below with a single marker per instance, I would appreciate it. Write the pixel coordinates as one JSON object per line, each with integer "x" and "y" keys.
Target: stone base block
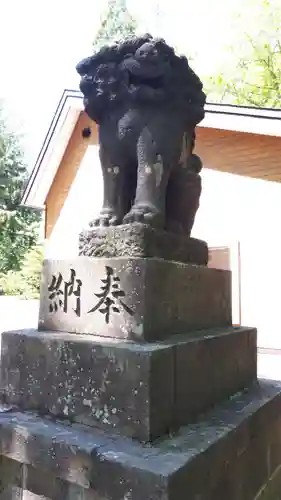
{"x": 211, "y": 368}
{"x": 21, "y": 481}
{"x": 142, "y": 241}
{"x": 125, "y": 387}
{"x": 139, "y": 390}
{"x": 138, "y": 299}
{"x": 233, "y": 453}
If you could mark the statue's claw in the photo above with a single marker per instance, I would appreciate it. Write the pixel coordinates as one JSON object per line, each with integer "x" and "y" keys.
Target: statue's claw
{"x": 106, "y": 218}
{"x": 146, "y": 215}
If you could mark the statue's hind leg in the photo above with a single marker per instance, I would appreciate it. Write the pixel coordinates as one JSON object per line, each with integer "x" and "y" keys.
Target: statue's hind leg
{"x": 183, "y": 195}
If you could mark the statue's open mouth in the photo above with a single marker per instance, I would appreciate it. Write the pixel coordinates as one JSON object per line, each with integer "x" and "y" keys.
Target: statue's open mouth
{"x": 140, "y": 80}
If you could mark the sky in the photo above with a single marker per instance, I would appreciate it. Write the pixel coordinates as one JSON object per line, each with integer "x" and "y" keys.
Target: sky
{"x": 41, "y": 42}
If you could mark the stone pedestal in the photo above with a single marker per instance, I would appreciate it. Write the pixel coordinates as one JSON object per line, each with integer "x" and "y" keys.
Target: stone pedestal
{"x": 138, "y": 390}
{"x": 142, "y": 241}
{"x": 136, "y": 385}
{"x": 130, "y": 298}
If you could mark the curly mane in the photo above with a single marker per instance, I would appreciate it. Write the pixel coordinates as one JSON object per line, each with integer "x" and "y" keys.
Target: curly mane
{"x": 120, "y": 74}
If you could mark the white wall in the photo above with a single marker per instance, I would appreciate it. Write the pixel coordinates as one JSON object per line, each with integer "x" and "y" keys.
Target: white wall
{"x": 235, "y": 208}
{"x": 83, "y": 202}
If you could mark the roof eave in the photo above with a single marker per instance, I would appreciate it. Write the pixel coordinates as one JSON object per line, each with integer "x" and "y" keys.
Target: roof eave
{"x": 268, "y": 124}
{"x": 218, "y": 116}
{"x": 53, "y": 148}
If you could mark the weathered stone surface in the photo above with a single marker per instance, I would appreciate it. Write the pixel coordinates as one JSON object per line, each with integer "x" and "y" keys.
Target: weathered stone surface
{"x": 139, "y": 390}
{"x": 230, "y": 454}
{"x": 22, "y": 481}
{"x": 271, "y": 490}
{"x": 138, "y": 299}
{"x": 14, "y": 493}
{"x": 120, "y": 386}
{"x": 211, "y": 368}
{"x": 11, "y": 474}
{"x": 142, "y": 241}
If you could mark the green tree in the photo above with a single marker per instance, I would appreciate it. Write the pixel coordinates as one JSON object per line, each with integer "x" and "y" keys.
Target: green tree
{"x": 116, "y": 24}
{"x": 255, "y": 75}
{"x": 18, "y": 225}
{"x": 26, "y": 282}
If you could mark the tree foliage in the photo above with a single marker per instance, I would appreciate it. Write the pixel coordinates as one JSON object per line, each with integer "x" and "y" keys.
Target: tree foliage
{"x": 18, "y": 225}
{"x": 26, "y": 282}
{"x": 116, "y": 24}
{"x": 255, "y": 76}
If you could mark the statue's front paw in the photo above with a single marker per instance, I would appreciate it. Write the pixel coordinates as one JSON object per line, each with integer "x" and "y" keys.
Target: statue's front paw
{"x": 145, "y": 215}
{"x": 106, "y": 218}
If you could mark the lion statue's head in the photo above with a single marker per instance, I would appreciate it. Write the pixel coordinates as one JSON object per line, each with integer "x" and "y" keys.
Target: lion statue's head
{"x": 140, "y": 70}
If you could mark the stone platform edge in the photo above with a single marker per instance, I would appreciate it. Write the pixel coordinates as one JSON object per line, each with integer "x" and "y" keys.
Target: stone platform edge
{"x": 235, "y": 441}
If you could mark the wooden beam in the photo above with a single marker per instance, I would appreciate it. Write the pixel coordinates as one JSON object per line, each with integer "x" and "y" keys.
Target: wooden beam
{"x": 67, "y": 170}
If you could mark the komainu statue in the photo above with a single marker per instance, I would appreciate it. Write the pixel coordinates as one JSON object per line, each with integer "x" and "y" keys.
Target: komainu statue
{"x": 147, "y": 102}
